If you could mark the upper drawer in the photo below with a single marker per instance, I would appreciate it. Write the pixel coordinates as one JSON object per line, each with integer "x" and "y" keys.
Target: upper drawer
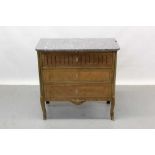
{"x": 77, "y": 59}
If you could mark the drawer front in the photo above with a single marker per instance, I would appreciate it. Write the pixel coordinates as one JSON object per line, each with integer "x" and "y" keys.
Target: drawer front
{"x": 95, "y": 75}
{"x": 77, "y": 91}
{"x": 91, "y": 59}
{"x": 61, "y": 75}
{"x": 59, "y": 59}
{"x": 60, "y": 91}
{"x": 94, "y": 91}
{"x": 77, "y": 59}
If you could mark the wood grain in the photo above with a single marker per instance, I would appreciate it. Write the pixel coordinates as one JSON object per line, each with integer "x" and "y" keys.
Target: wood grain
{"x": 85, "y": 59}
{"x": 77, "y": 75}
{"x": 69, "y": 91}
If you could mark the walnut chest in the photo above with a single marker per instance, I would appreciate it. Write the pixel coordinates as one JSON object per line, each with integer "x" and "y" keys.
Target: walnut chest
{"x": 77, "y": 70}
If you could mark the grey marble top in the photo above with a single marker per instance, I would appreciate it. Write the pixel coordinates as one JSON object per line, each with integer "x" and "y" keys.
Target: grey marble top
{"x": 101, "y": 44}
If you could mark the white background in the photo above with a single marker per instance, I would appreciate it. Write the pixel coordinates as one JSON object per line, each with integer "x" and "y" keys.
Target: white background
{"x": 135, "y": 63}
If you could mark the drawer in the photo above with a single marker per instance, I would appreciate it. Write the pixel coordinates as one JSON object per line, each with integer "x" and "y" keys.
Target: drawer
{"x": 75, "y": 91}
{"x": 94, "y": 91}
{"x": 92, "y": 59}
{"x": 60, "y": 91}
{"x": 61, "y": 75}
{"x": 95, "y": 75}
{"x": 77, "y": 59}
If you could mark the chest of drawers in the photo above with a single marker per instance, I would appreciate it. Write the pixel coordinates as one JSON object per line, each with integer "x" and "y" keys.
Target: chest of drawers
{"x": 77, "y": 70}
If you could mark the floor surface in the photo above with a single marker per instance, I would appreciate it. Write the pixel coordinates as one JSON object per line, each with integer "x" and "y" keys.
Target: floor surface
{"x": 20, "y": 108}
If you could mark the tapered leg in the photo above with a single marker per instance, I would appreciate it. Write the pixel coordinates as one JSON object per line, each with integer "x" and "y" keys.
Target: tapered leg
{"x": 47, "y": 102}
{"x": 42, "y": 101}
{"x": 112, "y": 108}
{"x": 108, "y": 102}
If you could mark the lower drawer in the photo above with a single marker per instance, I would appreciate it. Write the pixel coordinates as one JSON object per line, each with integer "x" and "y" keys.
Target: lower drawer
{"x": 94, "y": 90}
{"x": 74, "y": 91}
{"x": 59, "y": 91}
